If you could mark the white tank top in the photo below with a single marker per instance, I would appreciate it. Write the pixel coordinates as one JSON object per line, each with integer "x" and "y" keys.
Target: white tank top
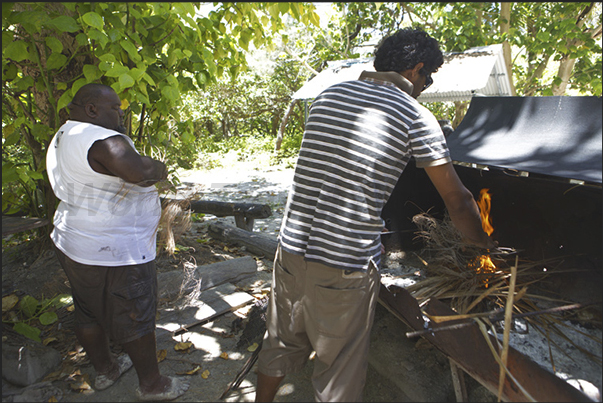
{"x": 101, "y": 219}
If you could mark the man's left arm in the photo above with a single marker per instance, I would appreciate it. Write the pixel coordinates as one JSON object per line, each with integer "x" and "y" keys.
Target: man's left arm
{"x": 115, "y": 156}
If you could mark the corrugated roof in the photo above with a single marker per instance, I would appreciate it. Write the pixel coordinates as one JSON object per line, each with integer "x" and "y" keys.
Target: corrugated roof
{"x": 477, "y": 71}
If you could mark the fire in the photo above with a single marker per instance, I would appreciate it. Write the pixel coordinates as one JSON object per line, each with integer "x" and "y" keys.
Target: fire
{"x": 484, "y": 211}
{"x": 485, "y": 263}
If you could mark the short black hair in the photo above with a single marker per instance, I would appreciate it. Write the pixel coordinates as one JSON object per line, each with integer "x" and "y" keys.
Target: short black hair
{"x": 406, "y": 48}
{"x": 89, "y": 93}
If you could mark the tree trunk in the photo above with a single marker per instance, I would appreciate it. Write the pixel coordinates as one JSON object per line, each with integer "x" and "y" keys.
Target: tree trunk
{"x": 460, "y": 108}
{"x": 564, "y": 73}
{"x": 256, "y": 243}
{"x": 505, "y": 16}
{"x": 281, "y": 130}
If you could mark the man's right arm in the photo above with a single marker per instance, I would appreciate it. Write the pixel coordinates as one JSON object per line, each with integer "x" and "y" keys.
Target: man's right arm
{"x": 461, "y": 206}
{"x": 115, "y": 156}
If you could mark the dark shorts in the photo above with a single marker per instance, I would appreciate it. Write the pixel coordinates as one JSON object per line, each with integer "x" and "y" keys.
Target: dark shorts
{"x": 121, "y": 299}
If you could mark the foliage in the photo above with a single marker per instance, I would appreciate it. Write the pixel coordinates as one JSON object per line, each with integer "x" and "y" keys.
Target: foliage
{"x": 183, "y": 74}
{"x": 30, "y": 316}
{"x": 542, "y": 35}
{"x": 152, "y": 54}
{"x": 245, "y": 114}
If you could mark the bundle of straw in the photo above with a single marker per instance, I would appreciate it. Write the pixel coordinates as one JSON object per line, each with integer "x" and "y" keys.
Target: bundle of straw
{"x": 175, "y": 220}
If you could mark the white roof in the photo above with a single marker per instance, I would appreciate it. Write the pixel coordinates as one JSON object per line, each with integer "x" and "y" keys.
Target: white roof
{"x": 477, "y": 71}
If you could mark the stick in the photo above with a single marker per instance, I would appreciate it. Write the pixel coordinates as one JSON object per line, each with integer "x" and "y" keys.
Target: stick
{"x": 507, "y": 330}
{"x": 495, "y": 317}
{"x": 243, "y": 372}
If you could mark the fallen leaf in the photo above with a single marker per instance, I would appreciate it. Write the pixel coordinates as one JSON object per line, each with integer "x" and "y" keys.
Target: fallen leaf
{"x": 183, "y": 346}
{"x": 224, "y": 356}
{"x": 52, "y": 399}
{"x": 9, "y": 302}
{"x": 191, "y": 372}
{"x": 161, "y": 354}
{"x": 205, "y": 374}
{"x": 48, "y": 340}
{"x": 81, "y": 384}
{"x": 253, "y": 347}
{"x": 71, "y": 308}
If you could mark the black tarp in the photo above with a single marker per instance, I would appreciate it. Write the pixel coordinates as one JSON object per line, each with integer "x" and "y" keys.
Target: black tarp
{"x": 557, "y": 136}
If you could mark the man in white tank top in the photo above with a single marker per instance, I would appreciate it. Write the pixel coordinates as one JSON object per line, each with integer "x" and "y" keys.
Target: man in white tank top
{"x": 104, "y": 235}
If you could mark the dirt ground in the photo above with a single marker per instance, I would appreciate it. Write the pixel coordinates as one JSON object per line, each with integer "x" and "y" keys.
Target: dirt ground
{"x": 214, "y": 360}
{"x": 400, "y": 369}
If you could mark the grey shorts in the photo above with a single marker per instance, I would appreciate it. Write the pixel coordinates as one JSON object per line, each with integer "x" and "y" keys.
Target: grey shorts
{"x": 314, "y": 307}
{"x": 121, "y": 299}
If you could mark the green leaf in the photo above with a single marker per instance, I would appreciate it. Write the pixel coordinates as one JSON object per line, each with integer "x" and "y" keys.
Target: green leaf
{"x": 114, "y": 34}
{"x": 40, "y": 132}
{"x": 54, "y": 44}
{"x": 56, "y": 61}
{"x": 24, "y": 83}
{"x": 27, "y": 331}
{"x": 91, "y": 72}
{"x": 77, "y": 85}
{"x": 28, "y": 305}
{"x": 98, "y": 36}
{"x": 543, "y": 36}
{"x": 11, "y": 137}
{"x": 126, "y": 81}
{"x": 136, "y": 73}
{"x": 9, "y": 173}
{"x": 10, "y": 72}
{"x": 65, "y": 23}
{"x": 170, "y": 93}
{"x": 64, "y": 100}
{"x": 117, "y": 71}
{"x": 283, "y": 7}
{"x": 148, "y": 79}
{"x": 35, "y": 175}
{"x": 107, "y": 57}
{"x": 131, "y": 49}
{"x": 16, "y": 51}
{"x": 94, "y": 20}
{"x": 82, "y": 39}
{"x": 48, "y": 318}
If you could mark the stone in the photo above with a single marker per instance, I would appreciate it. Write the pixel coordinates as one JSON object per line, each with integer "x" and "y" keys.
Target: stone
{"x": 39, "y": 392}
{"x": 26, "y": 363}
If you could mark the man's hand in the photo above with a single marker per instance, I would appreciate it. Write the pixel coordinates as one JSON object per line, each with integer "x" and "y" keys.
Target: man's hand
{"x": 461, "y": 205}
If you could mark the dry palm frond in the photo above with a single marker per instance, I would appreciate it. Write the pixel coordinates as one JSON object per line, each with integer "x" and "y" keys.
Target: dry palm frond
{"x": 453, "y": 269}
{"x": 452, "y": 274}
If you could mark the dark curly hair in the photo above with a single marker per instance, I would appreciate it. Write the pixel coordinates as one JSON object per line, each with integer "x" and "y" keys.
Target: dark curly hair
{"x": 406, "y": 48}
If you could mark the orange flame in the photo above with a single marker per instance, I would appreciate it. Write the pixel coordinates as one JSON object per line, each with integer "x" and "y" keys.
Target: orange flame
{"x": 484, "y": 211}
{"x": 485, "y": 263}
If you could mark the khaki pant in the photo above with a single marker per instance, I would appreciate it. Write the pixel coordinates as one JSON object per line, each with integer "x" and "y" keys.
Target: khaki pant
{"x": 314, "y": 307}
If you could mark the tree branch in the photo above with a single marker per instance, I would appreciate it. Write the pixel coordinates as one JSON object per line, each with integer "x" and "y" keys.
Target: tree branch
{"x": 303, "y": 62}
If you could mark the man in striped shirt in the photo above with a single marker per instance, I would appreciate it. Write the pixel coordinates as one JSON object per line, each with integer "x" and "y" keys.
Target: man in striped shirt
{"x": 358, "y": 139}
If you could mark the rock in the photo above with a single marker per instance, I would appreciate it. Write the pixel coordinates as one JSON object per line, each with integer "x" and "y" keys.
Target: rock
{"x": 39, "y": 392}
{"x": 26, "y": 363}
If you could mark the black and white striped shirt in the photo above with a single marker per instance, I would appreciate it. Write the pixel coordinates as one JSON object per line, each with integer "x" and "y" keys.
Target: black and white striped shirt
{"x": 358, "y": 139}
